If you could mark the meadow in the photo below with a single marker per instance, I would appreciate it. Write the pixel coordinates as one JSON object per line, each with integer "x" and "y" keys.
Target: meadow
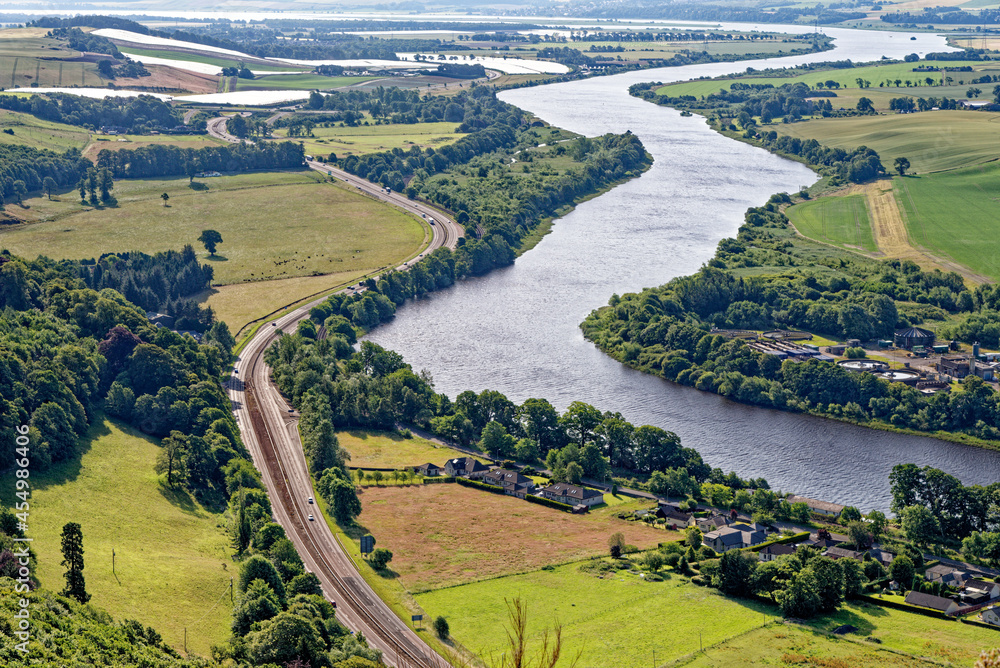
{"x": 390, "y": 450}
{"x": 273, "y": 225}
{"x": 28, "y": 57}
{"x": 644, "y": 623}
{"x": 841, "y": 221}
{"x": 298, "y": 82}
{"x": 172, "y": 556}
{"x": 132, "y": 142}
{"x": 447, "y": 534}
{"x": 955, "y": 214}
{"x": 344, "y": 141}
{"x": 37, "y": 133}
{"x": 930, "y": 140}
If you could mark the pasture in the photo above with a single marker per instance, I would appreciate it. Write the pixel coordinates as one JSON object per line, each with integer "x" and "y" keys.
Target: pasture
{"x": 274, "y": 225}
{"x": 298, "y": 82}
{"x": 31, "y": 131}
{"x": 390, "y": 450}
{"x": 447, "y": 534}
{"x": 172, "y": 556}
{"x": 840, "y": 221}
{"x": 344, "y": 141}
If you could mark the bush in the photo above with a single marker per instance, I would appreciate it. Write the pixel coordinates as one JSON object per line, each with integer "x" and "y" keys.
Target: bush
{"x": 434, "y": 480}
{"x": 465, "y": 482}
{"x": 855, "y": 353}
{"x": 441, "y": 627}
{"x": 380, "y": 558}
{"x": 406, "y": 433}
{"x": 542, "y": 501}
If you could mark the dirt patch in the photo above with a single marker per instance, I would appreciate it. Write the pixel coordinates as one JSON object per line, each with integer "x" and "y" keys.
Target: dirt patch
{"x": 443, "y": 535}
{"x": 170, "y": 79}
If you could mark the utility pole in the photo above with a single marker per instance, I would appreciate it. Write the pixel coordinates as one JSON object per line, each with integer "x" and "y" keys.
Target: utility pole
{"x": 185, "y": 640}
{"x": 113, "y": 561}
{"x": 230, "y": 590}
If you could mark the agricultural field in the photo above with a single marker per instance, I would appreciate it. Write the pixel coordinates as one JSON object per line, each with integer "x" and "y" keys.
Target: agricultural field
{"x": 172, "y": 556}
{"x": 624, "y": 616}
{"x": 653, "y": 50}
{"x": 298, "y": 82}
{"x": 841, "y": 221}
{"x": 344, "y": 141}
{"x": 218, "y": 61}
{"x": 35, "y": 132}
{"x": 930, "y": 140}
{"x": 334, "y": 229}
{"x": 496, "y": 535}
{"x": 390, "y": 450}
{"x": 132, "y": 142}
{"x": 955, "y": 214}
{"x": 28, "y": 57}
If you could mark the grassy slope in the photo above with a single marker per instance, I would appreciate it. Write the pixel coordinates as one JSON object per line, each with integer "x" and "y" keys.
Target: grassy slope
{"x": 370, "y": 138}
{"x": 298, "y": 82}
{"x": 172, "y": 558}
{"x": 27, "y": 57}
{"x": 841, "y": 221}
{"x": 955, "y": 213}
{"x": 333, "y": 229}
{"x": 40, "y": 134}
{"x": 931, "y": 141}
{"x": 387, "y": 450}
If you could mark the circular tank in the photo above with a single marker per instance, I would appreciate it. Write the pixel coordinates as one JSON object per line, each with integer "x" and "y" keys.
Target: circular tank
{"x": 900, "y": 376}
{"x": 863, "y": 365}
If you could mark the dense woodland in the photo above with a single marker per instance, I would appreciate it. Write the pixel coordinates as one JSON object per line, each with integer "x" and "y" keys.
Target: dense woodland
{"x": 169, "y": 160}
{"x": 138, "y": 115}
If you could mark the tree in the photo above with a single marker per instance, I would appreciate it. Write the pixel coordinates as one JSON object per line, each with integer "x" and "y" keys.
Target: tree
{"x": 865, "y": 106}
{"x": 877, "y": 523}
{"x": 170, "y": 456}
{"x": 106, "y": 69}
{"x": 902, "y": 571}
{"x": 573, "y": 473}
{"x": 901, "y": 165}
{"x": 305, "y": 583}
{"x": 849, "y": 514}
{"x": 496, "y": 442}
{"x": 20, "y": 190}
{"x": 653, "y": 560}
{"x": 72, "y": 551}
{"x": 164, "y": 197}
{"x": 48, "y": 186}
{"x": 982, "y": 546}
{"x": 919, "y": 525}
{"x": 259, "y": 567}
{"x": 860, "y": 536}
{"x": 829, "y": 581}
{"x": 377, "y": 477}
{"x": 735, "y": 576}
{"x": 693, "y": 536}
{"x": 340, "y": 494}
{"x": 801, "y": 599}
{"x": 616, "y": 543}
{"x": 210, "y": 239}
{"x": 380, "y": 558}
{"x": 441, "y": 627}
{"x": 854, "y": 576}
{"x": 257, "y": 604}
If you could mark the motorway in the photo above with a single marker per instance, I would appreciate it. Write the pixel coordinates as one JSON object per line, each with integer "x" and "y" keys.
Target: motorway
{"x": 268, "y": 426}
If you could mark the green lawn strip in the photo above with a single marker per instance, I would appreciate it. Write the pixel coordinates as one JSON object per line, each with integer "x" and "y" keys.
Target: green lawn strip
{"x": 172, "y": 556}
{"x": 841, "y": 221}
{"x": 297, "y": 82}
{"x": 955, "y": 214}
{"x": 274, "y": 225}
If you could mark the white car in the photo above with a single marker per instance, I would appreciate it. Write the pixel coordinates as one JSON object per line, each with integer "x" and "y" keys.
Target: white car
{"x": 311, "y": 519}
{"x": 310, "y": 499}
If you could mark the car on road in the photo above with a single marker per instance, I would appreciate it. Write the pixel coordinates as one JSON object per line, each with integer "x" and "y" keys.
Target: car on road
{"x": 311, "y": 518}
{"x": 310, "y": 499}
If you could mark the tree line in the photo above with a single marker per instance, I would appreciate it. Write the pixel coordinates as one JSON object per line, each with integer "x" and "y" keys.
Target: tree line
{"x": 169, "y": 160}
{"x": 138, "y": 115}
{"x": 25, "y": 169}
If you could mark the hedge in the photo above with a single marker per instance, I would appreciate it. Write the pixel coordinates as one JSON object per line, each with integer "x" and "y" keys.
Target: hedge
{"x": 542, "y": 501}
{"x": 975, "y": 622}
{"x": 437, "y": 479}
{"x": 794, "y": 538}
{"x": 886, "y": 603}
{"x": 479, "y": 485}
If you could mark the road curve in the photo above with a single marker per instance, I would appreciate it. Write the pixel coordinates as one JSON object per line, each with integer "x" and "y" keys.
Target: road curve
{"x": 269, "y": 429}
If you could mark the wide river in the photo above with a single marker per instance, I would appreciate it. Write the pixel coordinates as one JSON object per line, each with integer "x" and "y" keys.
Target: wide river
{"x": 517, "y": 329}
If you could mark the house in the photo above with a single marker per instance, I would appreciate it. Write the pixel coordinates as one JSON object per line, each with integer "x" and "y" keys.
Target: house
{"x": 160, "y": 319}
{"x": 513, "y": 483}
{"x": 881, "y": 556}
{"x": 948, "y": 575}
{"x": 981, "y": 589}
{"x": 735, "y": 537}
{"x": 913, "y": 337}
{"x": 939, "y": 603}
{"x": 991, "y": 615}
{"x": 573, "y": 495}
{"x": 842, "y": 553}
{"x": 819, "y": 507}
{"x": 674, "y": 516}
{"x": 429, "y": 470}
{"x": 712, "y": 523}
{"x": 772, "y": 552}
{"x": 466, "y": 467}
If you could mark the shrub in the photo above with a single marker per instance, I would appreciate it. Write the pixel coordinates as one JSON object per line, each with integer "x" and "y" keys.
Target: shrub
{"x": 441, "y": 627}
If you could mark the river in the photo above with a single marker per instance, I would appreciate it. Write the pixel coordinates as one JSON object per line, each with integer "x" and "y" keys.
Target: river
{"x": 517, "y": 329}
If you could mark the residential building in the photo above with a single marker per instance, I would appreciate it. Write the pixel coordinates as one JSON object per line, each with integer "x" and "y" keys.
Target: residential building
{"x": 160, "y": 319}
{"x": 948, "y": 575}
{"x": 466, "y": 467}
{"x": 674, "y": 516}
{"x": 990, "y": 615}
{"x": 772, "y": 552}
{"x": 513, "y": 483}
{"x": 842, "y": 553}
{"x": 735, "y": 537}
{"x": 573, "y": 495}
{"x": 981, "y": 589}
{"x": 881, "y": 556}
{"x": 429, "y": 470}
{"x": 819, "y": 507}
{"x": 712, "y": 523}
{"x": 945, "y": 605}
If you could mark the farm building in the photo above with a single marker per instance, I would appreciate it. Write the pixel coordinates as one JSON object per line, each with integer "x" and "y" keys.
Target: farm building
{"x": 913, "y": 336}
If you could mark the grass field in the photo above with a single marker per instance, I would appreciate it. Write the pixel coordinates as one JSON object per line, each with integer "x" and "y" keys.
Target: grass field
{"x": 930, "y": 140}
{"x": 297, "y": 82}
{"x": 388, "y": 450}
{"x": 623, "y": 616}
{"x": 172, "y": 560}
{"x": 443, "y": 535}
{"x": 841, "y": 221}
{"x": 132, "y": 142}
{"x": 370, "y": 138}
{"x": 28, "y": 57}
{"x": 955, "y": 214}
{"x": 201, "y": 58}
{"x": 35, "y": 132}
{"x": 274, "y": 225}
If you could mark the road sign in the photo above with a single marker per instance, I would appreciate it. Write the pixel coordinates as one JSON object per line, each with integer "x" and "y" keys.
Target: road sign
{"x": 367, "y": 544}
{"x": 416, "y": 618}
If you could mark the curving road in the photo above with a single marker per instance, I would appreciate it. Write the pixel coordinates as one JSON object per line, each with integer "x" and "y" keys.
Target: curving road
{"x": 269, "y": 429}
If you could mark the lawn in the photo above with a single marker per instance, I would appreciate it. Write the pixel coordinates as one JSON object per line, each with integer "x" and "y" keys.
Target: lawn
{"x": 297, "y": 82}
{"x": 274, "y": 225}
{"x": 841, "y": 221}
{"x": 172, "y": 562}
{"x": 388, "y": 450}
{"x": 40, "y": 134}
{"x": 344, "y": 141}
{"x": 954, "y": 214}
{"x": 931, "y": 140}
{"x": 624, "y": 616}
{"x": 447, "y": 534}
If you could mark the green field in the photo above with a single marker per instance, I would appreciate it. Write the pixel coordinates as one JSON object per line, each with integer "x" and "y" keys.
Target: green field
{"x": 274, "y": 225}
{"x": 28, "y": 57}
{"x": 389, "y": 450}
{"x": 40, "y": 134}
{"x": 298, "y": 82}
{"x": 114, "y": 143}
{"x": 344, "y": 141}
{"x": 955, "y": 214}
{"x": 930, "y": 140}
{"x": 841, "y": 221}
{"x": 627, "y": 618}
{"x": 208, "y": 60}
{"x": 172, "y": 559}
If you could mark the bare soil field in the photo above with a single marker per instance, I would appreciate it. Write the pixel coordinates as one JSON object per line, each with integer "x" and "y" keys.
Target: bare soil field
{"x": 444, "y": 535}
{"x": 172, "y": 79}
